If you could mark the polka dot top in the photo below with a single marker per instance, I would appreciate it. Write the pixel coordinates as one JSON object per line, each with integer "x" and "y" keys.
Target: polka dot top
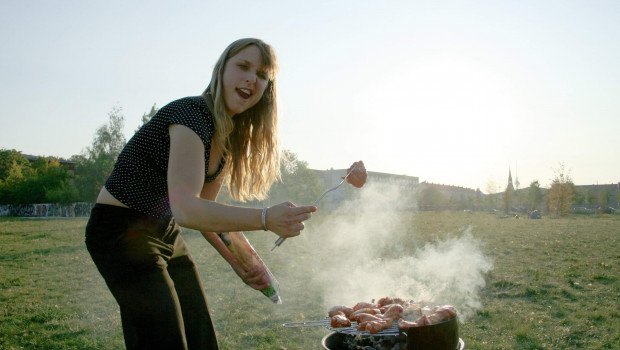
{"x": 139, "y": 178}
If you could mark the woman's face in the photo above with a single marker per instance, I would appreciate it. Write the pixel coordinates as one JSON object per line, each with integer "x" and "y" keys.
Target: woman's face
{"x": 244, "y": 80}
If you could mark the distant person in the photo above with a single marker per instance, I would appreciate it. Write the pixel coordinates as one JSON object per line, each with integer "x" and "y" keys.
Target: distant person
{"x": 169, "y": 175}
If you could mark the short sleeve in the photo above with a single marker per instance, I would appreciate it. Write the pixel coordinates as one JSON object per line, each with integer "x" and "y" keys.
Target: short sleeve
{"x": 191, "y": 117}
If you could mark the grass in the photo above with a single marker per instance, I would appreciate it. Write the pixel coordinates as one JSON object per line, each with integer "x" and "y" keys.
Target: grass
{"x": 554, "y": 285}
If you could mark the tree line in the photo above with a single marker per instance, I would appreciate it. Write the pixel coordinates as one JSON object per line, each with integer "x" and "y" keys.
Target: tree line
{"x": 47, "y": 181}
{"x": 558, "y": 199}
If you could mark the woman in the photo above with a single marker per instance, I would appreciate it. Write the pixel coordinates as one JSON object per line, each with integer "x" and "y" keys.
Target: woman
{"x": 168, "y": 175}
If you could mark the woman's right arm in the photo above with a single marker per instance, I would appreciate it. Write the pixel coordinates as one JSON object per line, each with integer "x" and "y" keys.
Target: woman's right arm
{"x": 186, "y": 175}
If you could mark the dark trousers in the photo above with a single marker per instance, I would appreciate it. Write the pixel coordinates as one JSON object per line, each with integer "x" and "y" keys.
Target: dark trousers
{"x": 149, "y": 270}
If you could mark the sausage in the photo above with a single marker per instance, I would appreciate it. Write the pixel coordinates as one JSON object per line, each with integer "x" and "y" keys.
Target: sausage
{"x": 358, "y": 176}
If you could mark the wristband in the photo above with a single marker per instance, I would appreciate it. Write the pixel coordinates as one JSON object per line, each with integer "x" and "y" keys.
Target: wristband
{"x": 264, "y": 218}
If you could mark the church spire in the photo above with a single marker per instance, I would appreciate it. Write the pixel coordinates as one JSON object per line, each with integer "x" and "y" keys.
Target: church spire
{"x": 517, "y": 177}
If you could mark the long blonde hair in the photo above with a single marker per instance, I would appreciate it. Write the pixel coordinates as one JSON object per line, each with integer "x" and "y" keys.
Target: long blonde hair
{"x": 249, "y": 142}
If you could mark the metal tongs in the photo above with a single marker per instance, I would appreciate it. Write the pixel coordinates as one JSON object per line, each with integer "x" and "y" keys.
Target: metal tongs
{"x": 282, "y": 239}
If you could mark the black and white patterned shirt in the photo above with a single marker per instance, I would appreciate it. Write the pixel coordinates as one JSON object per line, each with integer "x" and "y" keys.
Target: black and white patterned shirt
{"x": 139, "y": 178}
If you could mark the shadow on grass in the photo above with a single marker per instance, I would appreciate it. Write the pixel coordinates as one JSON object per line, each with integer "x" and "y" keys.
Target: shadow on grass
{"x": 604, "y": 279}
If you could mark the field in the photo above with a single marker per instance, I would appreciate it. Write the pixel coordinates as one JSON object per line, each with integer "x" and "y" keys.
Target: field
{"x": 553, "y": 283}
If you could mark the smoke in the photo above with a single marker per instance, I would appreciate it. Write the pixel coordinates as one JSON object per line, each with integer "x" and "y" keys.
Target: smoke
{"x": 373, "y": 251}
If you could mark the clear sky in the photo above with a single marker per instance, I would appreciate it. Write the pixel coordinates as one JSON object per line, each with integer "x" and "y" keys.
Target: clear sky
{"x": 454, "y": 92}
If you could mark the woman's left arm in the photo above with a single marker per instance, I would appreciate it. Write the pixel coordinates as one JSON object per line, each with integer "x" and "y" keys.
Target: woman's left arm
{"x": 255, "y": 279}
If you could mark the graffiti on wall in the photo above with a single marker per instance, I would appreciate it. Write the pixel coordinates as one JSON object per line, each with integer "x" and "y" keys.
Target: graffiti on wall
{"x": 79, "y": 209}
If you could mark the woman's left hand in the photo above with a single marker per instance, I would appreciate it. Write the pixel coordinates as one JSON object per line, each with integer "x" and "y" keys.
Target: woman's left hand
{"x": 256, "y": 277}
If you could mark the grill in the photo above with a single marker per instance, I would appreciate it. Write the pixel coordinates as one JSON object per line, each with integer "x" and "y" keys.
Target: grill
{"x": 442, "y": 336}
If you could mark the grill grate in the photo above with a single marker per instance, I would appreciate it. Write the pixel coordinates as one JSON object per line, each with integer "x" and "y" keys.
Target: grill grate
{"x": 352, "y": 330}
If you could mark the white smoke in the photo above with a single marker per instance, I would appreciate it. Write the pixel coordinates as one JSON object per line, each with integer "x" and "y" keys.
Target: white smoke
{"x": 373, "y": 252}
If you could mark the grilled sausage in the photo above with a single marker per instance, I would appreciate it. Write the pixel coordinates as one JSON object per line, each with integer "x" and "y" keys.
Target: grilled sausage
{"x": 358, "y": 175}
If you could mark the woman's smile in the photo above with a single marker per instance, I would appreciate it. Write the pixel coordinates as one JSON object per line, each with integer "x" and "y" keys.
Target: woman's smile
{"x": 244, "y": 93}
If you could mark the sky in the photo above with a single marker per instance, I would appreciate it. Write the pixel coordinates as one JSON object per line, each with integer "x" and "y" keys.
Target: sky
{"x": 452, "y": 92}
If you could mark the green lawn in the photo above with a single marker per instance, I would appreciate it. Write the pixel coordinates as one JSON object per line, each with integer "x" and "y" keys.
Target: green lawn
{"x": 553, "y": 282}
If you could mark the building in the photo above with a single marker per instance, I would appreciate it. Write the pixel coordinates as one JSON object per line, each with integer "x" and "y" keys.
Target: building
{"x": 448, "y": 197}
{"x": 599, "y": 195}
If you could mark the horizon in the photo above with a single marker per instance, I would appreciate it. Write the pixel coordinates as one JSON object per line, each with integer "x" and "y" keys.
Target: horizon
{"x": 378, "y": 172}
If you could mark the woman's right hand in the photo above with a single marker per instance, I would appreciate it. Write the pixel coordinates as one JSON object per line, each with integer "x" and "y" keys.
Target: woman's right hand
{"x": 287, "y": 220}
{"x": 255, "y": 277}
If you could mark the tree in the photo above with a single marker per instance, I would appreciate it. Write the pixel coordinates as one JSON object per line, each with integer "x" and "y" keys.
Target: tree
{"x": 15, "y": 170}
{"x": 580, "y": 196}
{"x": 299, "y": 184}
{"x": 34, "y": 183}
{"x": 604, "y": 198}
{"x": 535, "y": 194}
{"x": 479, "y": 200}
{"x": 432, "y": 199}
{"x": 10, "y": 159}
{"x": 561, "y": 194}
{"x": 96, "y": 163}
{"x": 492, "y": 190}
{"x": 454, "y": 201}
{"x": 55, "y": 181}
{"x": 590, "y": 197}
{"x": 508, "y": 198}
{"x": 109, "y": 139}
{"x": 47, "y": 177}
{"x": 147, "y": 116}
{"x": 65, "y": 193}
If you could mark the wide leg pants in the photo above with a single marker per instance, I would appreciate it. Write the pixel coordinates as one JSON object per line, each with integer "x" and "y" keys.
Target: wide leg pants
{"x": 151, "y": 274}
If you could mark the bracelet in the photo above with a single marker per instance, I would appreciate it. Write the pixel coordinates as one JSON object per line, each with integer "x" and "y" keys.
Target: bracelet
{"x": 264, "y": 218}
